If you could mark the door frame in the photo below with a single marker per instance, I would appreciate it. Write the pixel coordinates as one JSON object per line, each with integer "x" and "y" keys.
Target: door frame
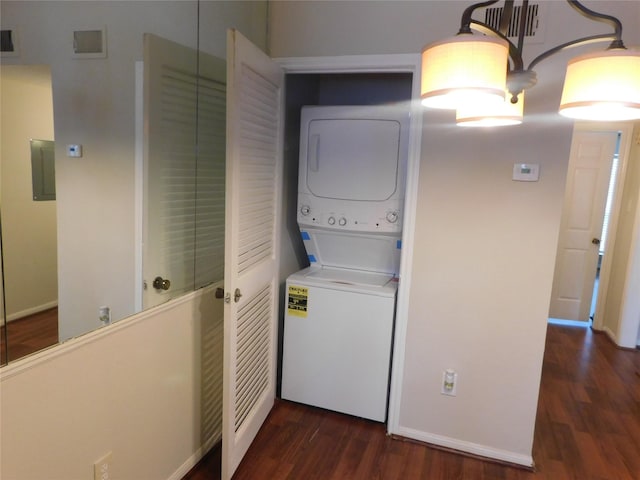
{"x": 627, "y": 334}
{"x": 626, "y": 130}
{"x": 138, "y": 196}
{"x": 393, "y": 63}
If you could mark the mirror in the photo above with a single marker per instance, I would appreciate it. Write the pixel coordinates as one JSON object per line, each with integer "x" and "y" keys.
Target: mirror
{"x": 90, "y": 54}
{"x": 29, "y": 236}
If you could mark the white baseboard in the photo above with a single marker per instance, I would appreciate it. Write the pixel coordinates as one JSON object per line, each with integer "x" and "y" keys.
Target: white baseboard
{"x": 612, "y": 336}
{"x": 32, "y": 310}
{"x": 467, "y": 447}
{"x": 196, "y": 457}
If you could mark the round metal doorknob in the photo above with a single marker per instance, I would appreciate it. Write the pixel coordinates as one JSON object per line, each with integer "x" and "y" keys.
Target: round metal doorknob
{"x": 596, "y": 241}
{"x": 160, "y": 283}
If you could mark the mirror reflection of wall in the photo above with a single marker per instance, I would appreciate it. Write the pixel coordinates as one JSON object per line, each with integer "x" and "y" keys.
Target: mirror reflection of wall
{"x": 94, "y": 106}
{"x": 29, "y": 238}
{"x": 184, "y": 190}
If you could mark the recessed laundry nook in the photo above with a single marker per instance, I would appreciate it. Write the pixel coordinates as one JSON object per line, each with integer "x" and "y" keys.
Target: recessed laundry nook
{"x": 346, "y": 145}
{"x": 337, "y": 348}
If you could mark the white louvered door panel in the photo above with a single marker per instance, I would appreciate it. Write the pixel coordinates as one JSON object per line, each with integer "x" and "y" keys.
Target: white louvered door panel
{"x": 209, "y": 235}
{"x": 254, "y": 178}
{"x": 170, "y": 96}
{"x": 210, "y": 171}
{"x": 211, "y": 346}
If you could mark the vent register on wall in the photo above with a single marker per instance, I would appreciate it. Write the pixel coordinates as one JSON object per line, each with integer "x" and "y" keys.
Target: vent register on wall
{"x": 340, "y": 310}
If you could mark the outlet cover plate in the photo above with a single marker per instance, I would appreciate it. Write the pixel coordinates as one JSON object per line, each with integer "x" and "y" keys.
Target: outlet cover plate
{"x": 102, "y": 468}
{"x": 452, "y": 391}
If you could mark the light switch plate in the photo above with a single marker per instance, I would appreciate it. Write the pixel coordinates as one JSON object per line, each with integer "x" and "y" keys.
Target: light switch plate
{"x": 74, "y": 151}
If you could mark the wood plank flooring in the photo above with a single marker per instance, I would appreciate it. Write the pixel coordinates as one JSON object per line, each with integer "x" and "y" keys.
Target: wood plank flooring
{"x": 29, "y": 334}
{"x": 587, "y": 428}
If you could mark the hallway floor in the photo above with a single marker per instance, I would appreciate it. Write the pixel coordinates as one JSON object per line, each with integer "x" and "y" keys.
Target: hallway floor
{"x": 587, "y": 428}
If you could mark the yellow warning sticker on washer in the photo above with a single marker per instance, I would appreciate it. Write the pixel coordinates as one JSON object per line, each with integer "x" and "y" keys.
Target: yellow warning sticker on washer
{"x": 297, "y": 301}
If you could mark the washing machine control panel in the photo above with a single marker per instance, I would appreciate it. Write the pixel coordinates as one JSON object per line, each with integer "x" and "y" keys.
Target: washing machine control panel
{"x": 353, "y": 216}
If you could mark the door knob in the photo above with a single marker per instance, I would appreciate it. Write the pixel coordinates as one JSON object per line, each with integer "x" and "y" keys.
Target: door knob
{"x": 160, "y": 283}
{"x": 237, "y": 295}
{"x": 595, "y": 241}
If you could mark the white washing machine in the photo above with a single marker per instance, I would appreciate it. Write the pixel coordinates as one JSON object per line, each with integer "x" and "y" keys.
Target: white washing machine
{"x": 338, "y": 339}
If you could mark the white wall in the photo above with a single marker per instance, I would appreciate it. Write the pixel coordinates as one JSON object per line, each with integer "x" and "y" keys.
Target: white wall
{"x": 621, "y": 315}
{"x": 481, "y": 286}
{"x": 133, "y": 389}
{"x": 28, "y": 227}
{"x": 483, "y": 265}
{"x": 629, "y": 328}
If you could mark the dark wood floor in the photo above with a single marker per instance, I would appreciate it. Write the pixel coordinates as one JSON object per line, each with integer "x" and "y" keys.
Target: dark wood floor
{"x": 587, "y": 428}
{"x": 29, "y": 334}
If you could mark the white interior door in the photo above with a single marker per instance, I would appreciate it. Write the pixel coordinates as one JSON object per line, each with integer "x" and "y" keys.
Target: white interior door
{"x": 581, "y": 225}
{"x": 253, "y": 186}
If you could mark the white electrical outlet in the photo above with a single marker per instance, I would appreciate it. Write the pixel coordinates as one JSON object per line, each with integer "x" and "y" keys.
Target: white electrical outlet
{"x": 104, "y": 315}
{"x": 449, "y": 382}
{"x": 102, "y": 468}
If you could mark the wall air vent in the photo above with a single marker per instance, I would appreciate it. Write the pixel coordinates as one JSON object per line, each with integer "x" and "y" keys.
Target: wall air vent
{"x": 90, "y": 43}
{"x": 9, "y": 44}
{"x": 533, "y": 21}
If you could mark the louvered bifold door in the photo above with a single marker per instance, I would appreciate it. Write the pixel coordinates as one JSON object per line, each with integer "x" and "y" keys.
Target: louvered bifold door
{"x": 253, "y": 180}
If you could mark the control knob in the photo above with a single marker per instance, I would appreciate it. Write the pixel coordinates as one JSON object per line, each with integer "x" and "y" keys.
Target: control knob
{"x": 305, "y": 209}
{"x": 392, "y": 217}
{"x": 342, "y": 222}
{"x": 331, "y": 221}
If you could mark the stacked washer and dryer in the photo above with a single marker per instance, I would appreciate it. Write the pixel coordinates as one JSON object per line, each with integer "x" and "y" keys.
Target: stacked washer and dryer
{"x": 339, "y": 319}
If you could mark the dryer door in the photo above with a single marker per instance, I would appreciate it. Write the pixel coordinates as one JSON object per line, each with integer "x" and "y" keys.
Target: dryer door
{"x": 353, "y": 159}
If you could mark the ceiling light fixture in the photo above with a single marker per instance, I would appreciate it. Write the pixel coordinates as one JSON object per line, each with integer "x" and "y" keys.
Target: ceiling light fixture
{"x": 496, "y": 115}
{"x": 472, "y": 72}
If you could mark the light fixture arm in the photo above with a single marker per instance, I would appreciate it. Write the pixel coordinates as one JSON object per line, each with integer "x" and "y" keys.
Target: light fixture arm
{"x": 601, "y": 17}
{"x": 515, "y": 53}
{"x": 615, "y": 37}
{"x": 521, "y": 78}
{"x": 466, "y": 20}
{"x": 574, "y": 43}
